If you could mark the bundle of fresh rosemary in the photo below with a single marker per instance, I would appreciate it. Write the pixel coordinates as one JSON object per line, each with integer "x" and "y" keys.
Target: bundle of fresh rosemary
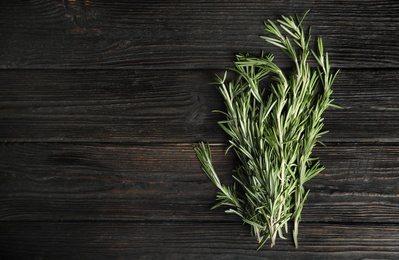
{"x": 273, "y": 131}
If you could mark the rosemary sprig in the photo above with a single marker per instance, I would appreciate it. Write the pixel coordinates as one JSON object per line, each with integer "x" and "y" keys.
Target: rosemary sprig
{"x": 273, "y": 131}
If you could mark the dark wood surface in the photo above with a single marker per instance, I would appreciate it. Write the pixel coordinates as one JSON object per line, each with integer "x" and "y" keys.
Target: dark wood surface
{"x": 102, "y": 102}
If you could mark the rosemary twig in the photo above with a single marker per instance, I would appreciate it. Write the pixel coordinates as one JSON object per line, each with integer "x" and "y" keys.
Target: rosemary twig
{"x": 273, "y": 131}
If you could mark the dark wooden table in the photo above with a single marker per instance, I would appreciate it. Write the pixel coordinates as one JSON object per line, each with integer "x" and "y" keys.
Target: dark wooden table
{"x": 102, "y": 102}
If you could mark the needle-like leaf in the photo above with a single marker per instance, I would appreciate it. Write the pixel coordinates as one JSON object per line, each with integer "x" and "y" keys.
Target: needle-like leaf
{"x": 273, "y": 131}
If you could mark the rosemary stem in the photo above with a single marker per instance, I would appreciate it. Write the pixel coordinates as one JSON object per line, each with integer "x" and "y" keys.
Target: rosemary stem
{"x": 272, "y": 132}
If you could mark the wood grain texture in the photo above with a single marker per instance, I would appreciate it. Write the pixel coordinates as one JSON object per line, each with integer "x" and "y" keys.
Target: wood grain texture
{"x": 61, "y": 182}
{"x": 129, "y": 240}
{"x": 102, "y": 102}
{"x": 169, "y": 106}
{"x": 185, "y": 34}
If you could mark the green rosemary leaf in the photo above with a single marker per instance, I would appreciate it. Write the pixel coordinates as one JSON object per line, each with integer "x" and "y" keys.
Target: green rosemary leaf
{"x": 274, "y": 42}
{"x": 273, "y": 131}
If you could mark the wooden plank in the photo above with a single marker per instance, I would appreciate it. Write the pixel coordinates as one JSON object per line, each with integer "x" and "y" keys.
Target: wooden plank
{"x": 62, "y": 181}
{"x": 185, "y": 34}
{"x": 113, "y": 105}
{"x": 102, "y": 102}
{"x": 176, "y": 240}
{"x": 169, "y": 106}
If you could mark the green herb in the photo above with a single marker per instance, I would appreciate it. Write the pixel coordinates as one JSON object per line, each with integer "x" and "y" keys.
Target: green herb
{"x": 273, "y": 130}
